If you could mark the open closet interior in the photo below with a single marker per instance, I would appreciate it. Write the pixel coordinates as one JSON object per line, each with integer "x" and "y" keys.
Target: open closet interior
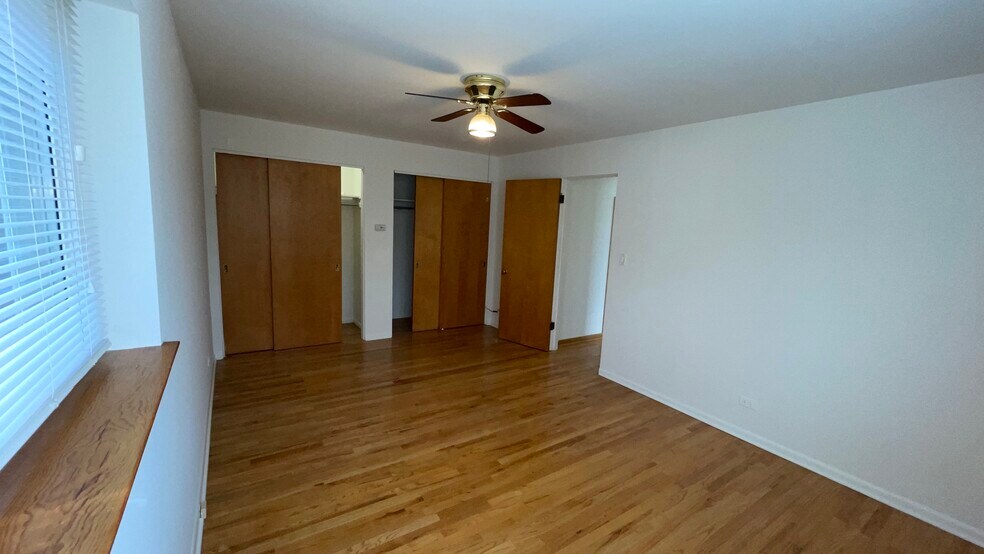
{"x": 280, "y": 227}
{"x": 403, "y": 228}
{"x": 352, "y": 246}
{"x": 440, "y": 251}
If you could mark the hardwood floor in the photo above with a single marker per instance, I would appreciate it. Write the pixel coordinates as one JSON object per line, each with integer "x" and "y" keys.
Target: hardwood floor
{"x": 456, "y": 442}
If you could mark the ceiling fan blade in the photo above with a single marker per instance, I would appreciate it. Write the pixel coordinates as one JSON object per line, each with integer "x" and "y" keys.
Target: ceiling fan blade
{"x": 521, "y": 122}
{"x": 458, "y": 100}
{"x": 524, "y": 100}
{"x": 453, "y": 115}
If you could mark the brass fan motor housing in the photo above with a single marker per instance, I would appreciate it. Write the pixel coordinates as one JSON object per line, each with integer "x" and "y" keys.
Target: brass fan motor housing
{"x": 484, "y": 88}
{"x": 486, "y": 96}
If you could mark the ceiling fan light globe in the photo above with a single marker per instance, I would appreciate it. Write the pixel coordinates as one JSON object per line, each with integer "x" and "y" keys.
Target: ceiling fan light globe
{"x": 482, "y": 126}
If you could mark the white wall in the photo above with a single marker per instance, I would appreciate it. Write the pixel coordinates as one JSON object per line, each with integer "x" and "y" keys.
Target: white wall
{"x": 379, "y": 160}
{"x": 586, "y": 227}
{"x": 162, "y": 512}
{"x": 114, "y": 132}
{"x": 496, "y": 221}
{"x": 824, "y": 260}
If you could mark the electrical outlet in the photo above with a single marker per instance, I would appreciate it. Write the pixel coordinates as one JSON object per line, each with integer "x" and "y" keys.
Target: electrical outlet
{"x": 746, "y": 402}
{"x": 380, "y": 227}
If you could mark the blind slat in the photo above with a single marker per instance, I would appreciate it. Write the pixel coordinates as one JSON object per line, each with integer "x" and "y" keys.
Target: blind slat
{"x": 49, "y": 316}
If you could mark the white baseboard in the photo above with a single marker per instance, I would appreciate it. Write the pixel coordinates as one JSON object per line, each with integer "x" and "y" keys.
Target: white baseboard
{"x": 901, "y": 503}
{"x": 200, "y": 530}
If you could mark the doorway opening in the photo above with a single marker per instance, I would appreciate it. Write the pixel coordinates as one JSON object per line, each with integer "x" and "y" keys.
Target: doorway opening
{"x": 352, "y": 246}
{"x": 584, "y": 252}
{"x": 404, "y": 195}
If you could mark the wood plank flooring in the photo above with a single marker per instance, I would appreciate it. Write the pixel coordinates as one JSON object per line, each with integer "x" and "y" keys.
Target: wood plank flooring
{"x": 456, "y": 442}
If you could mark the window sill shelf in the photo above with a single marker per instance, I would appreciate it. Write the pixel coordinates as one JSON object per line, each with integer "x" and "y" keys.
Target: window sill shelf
{"x": 65, "y": 490}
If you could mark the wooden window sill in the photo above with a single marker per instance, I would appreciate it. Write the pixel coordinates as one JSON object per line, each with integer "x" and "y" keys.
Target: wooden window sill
{"x": 65, "y": 489}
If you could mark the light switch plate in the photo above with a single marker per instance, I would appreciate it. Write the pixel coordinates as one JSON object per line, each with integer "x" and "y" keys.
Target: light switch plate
{"x": 380, "y": 226}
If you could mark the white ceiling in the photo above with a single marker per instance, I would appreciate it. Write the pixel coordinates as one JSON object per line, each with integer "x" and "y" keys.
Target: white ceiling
{"x": 610, "y": 68}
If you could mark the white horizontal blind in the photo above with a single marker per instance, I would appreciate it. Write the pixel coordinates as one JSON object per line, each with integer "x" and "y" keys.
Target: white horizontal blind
{"x": 49, "y": 324}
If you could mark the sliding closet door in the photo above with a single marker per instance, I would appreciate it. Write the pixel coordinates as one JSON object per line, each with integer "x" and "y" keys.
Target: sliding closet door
{"x": 243, "y": 212}
{"x": 428, "y": 208}
{"x": 529, "y": 258}
{"x": 464, "y": 253}
{"x": 306, "y": 247}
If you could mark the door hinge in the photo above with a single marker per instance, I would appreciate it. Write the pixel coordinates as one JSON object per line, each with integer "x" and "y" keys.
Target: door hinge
{"x": 561, "y": 198}
{"x": 553, "y": 325}
{"x": 202, "y": 511}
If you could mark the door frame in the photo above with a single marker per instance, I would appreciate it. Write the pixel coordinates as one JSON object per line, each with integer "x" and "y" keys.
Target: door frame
{"x": 560, "y": 251}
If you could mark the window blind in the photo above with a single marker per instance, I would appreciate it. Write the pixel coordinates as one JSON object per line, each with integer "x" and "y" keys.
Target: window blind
{"x": 50, "y": 331}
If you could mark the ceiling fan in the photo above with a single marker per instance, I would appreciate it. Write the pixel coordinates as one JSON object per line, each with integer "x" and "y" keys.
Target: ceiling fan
{"x": 485, "y": 99}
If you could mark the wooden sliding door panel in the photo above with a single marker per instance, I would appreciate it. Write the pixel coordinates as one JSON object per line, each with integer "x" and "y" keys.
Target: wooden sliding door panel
{"x": 243, "y": 220}
{"x": 529, "y": 255}
{"x": 305, "y": 237}
{"x": 428, "y": 210}
{"x": 464, "y": 253}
